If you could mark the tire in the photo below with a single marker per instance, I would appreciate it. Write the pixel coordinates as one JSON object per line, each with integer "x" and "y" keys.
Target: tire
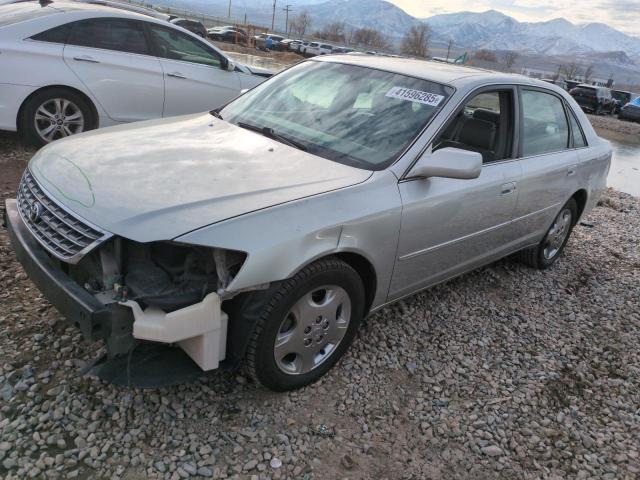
{"x": 63, "y": 102}
{"x": 546, "y": 253}
{"x": 324, "y": 302}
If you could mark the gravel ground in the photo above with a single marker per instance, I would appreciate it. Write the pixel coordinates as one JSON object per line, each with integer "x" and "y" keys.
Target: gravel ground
{"x": 610, "y": 127}
{"x": 506, "y": 372}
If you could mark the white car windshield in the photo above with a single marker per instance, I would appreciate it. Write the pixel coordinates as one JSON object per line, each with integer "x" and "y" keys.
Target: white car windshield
{"x": 349, "y": 114}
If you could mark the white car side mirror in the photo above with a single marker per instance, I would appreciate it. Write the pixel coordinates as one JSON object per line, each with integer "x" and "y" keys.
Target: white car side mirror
{"x": 448, "y": 163}
{"x": 230, "y": 66}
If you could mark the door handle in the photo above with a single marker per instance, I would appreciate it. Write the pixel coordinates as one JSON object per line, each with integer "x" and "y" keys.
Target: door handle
{"x": 175, "y": 75}
{"x": 508, "y": 188}
{"x": 571, "y": 170}
{"x": 86, "y": 58}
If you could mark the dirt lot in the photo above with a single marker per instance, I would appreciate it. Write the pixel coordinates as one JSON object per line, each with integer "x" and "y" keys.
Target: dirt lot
{"x": 506, "y": 373}
{"x": 608, "y": 126}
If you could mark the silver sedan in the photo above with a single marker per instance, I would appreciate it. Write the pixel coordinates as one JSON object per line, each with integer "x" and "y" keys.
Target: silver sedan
{"x": 264, "y": 231}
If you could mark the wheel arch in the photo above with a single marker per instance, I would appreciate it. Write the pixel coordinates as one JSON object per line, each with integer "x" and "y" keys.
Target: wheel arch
{"x": 86, "y": 97}
{"x": 365, "y": 270}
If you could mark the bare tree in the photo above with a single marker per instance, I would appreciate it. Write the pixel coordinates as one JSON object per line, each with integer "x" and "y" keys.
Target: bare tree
{"x": 370, "y": 38}
{"x": 416, "y": 41}
{"x": 299, "y": 24}
{"x": 486, "y": 55}
{"x": 509, "y": 58}
{"x": 348, "y": 35}
{"x": 588, "y": 73}
{"x": 333, "y": 32}
{"x": 571, "y": 70}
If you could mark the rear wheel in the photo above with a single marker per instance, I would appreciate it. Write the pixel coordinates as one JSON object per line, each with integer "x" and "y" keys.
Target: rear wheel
{"x": 552, "y": 245}
{"x": 55, "y": 113}
{"x": 307, "y": 326}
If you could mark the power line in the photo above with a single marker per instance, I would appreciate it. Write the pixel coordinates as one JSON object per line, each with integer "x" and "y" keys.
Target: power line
{"x": 273, "y": 16}
{"x": 286, "y": 22}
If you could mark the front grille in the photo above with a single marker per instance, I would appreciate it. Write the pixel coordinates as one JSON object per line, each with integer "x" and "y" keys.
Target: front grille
{"x": 62, "y": 233}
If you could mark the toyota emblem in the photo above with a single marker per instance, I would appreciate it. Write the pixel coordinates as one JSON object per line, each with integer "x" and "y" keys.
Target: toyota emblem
{"x": 35, "y": 211}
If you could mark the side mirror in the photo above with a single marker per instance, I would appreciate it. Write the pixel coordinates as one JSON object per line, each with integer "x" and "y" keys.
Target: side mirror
{"x": 448, "y": 163}
{"x": 230, "y": 67}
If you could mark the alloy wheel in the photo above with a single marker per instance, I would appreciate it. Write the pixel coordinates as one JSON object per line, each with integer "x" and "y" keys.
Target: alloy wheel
{"x": 57, "y": 118}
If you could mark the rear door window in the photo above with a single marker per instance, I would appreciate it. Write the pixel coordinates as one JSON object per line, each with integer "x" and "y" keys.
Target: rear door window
{"x": 116, "y": 34}
{"x": 544, "y": 127}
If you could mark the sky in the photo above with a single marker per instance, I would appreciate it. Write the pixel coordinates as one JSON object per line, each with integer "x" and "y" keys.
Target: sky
{"x": 623, "y": 15}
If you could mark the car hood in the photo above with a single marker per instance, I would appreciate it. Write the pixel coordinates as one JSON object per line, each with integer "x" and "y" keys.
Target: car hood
{"x": 160, "y": 179}
{"x": 253, "y": 70}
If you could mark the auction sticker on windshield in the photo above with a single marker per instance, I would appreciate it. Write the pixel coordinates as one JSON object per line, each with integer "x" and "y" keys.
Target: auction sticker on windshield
{"x": 411, "y": 95}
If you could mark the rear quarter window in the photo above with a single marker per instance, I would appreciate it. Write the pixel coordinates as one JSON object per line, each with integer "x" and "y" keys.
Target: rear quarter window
{"x": 577, "y": 135}
{"x": 58, "y": 34}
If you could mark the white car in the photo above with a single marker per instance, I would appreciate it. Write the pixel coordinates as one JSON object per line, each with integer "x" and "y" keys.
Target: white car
{"x": 316, "y": 48}
{"x": 67, "y": 67}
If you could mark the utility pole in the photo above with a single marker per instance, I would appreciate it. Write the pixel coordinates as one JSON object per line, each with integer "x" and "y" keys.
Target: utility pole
{"x": 273, "y": 16}
{"x": 449, "y": 49}
{"x": 286, "y": 21}
{"x": 229, "y": 12}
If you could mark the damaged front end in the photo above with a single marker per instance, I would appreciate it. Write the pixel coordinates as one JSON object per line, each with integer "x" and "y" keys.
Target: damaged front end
{"x": 163, "y": 292}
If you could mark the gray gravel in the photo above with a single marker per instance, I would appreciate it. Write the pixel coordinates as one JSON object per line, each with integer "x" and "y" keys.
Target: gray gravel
{"x": 506, "y": 372}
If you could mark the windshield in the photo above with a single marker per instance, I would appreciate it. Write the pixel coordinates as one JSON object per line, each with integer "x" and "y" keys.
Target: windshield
{"x": 349, "y": 114}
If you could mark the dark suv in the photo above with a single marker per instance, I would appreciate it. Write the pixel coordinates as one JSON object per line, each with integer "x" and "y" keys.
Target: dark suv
{"x": 191, "y": 25}
{"x": 593, "y": 99}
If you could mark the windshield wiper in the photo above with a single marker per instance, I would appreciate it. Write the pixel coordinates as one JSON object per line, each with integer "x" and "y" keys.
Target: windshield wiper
{"x": 270, "y": 132}
{"x": 216, "y": 114}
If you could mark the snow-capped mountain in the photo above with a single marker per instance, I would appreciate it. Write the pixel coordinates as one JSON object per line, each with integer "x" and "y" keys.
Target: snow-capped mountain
{"x": 377, "y": 14}
{"x": 469, "y": 30}
{"x": 496, "y": 31}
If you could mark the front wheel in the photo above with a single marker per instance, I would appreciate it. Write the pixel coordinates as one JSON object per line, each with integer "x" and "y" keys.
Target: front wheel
{"x": 307, "y": 326}
{"x": 552, "y": 245}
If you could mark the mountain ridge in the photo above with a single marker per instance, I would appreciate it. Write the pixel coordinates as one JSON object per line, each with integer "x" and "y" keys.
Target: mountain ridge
{"x": 490, "y": 29}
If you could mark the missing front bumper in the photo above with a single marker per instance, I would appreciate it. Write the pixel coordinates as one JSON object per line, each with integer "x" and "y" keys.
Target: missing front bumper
{"x": 199, "y": 329}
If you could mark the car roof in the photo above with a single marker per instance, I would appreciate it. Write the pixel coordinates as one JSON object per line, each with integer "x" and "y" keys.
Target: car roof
{"x": 445, "y": 73}
{"x": 125, "y": 10}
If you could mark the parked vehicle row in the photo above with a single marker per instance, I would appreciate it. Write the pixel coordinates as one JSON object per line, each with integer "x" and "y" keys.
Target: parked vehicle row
{"x": 601, "y": 100}
{"x": 334, "y": 188}
{"x": 68, "y": 67}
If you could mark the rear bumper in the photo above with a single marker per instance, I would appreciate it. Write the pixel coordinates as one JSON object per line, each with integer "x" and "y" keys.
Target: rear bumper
{"x": 76, "y": 304}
